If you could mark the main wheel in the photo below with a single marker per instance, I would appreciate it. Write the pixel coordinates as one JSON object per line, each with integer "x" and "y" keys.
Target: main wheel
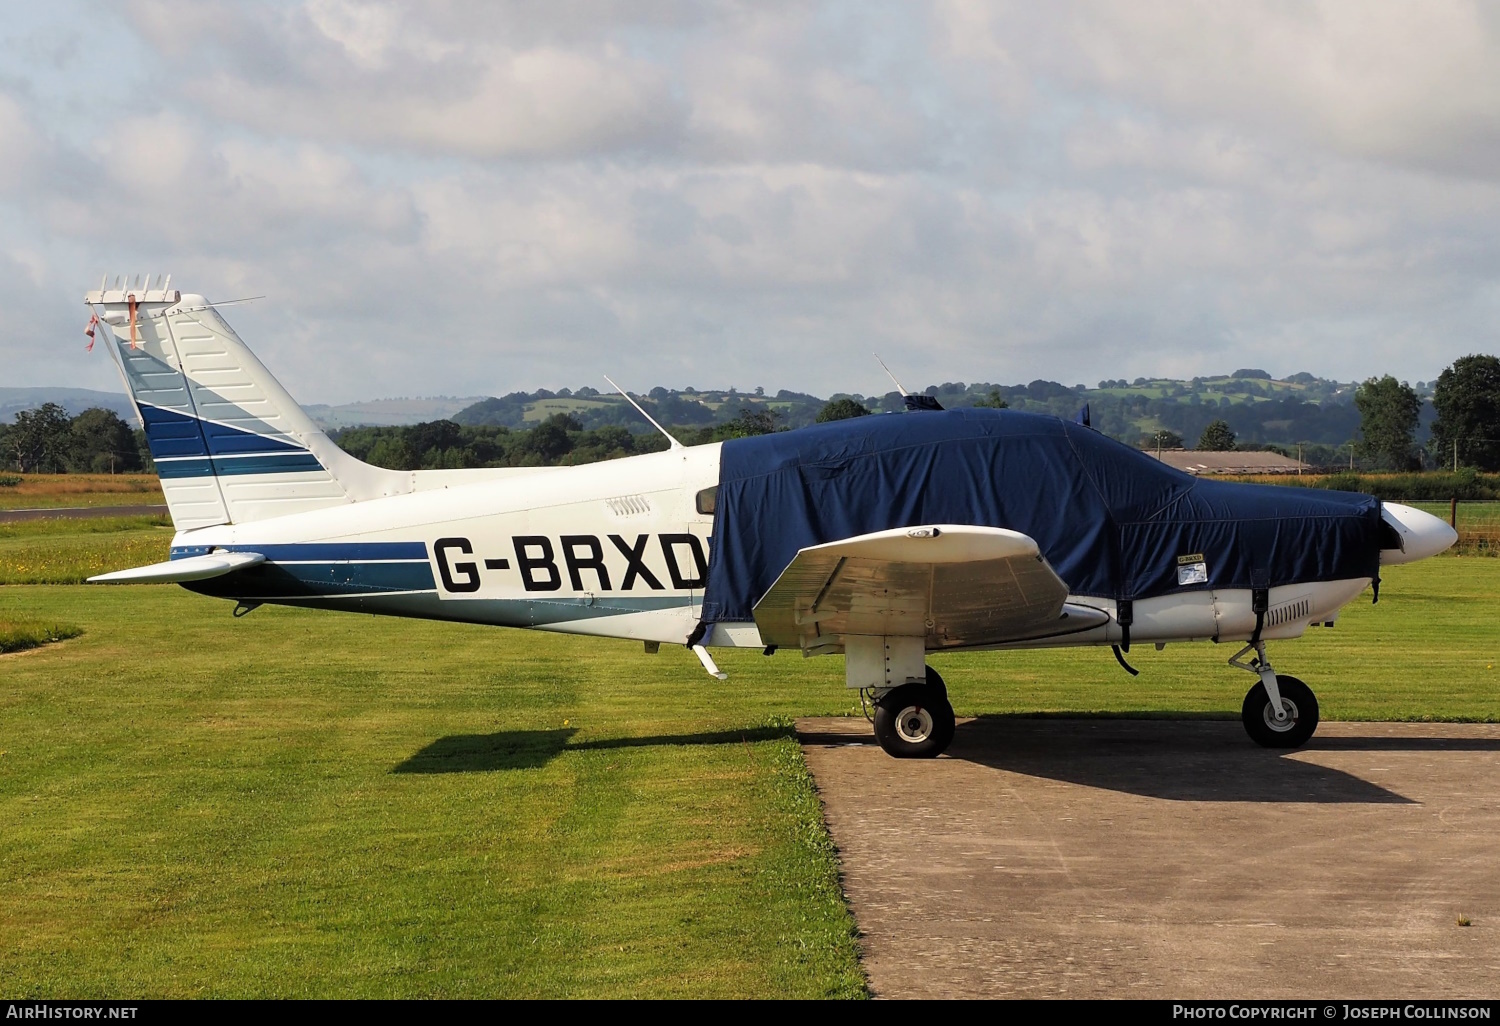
{"x": 915, "y": 721}
{"x": 1301, "y": 707}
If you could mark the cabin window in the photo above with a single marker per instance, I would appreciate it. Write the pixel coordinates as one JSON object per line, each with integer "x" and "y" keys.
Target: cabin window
{"x": 707, "y": 499}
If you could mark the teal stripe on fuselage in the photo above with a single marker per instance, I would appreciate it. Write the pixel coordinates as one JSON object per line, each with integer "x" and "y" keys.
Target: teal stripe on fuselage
{"x": 520, "y": 612}
{"x": 411, "y": 590}
{"x": 282, "y": 580}
{"x": 297, "y": 462}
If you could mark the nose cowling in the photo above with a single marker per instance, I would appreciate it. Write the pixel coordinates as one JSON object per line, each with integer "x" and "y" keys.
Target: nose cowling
{"x": 1420, "y": 534}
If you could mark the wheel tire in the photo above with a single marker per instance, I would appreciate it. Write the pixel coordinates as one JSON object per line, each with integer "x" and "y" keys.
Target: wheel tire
{"x": 1297, "y": 699}
{"x": 915, "y": 721}
{"x": 935, "y": 680}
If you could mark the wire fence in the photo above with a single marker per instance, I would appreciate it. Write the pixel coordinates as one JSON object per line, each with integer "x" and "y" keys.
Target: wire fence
{"x": 1477, "y": 522}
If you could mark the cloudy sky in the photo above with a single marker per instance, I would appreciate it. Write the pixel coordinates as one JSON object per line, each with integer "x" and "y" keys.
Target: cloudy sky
{"x": 474, "y": 198}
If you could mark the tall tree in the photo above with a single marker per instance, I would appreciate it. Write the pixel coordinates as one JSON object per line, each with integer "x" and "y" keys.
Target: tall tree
{"x": 1388, "y": 413}
{"x": 40, "y": 441}
{"x": 750, "y": 422}
{"x": 841, "y": 409}
{"x": 1216, "y": 437}
{"x": 1467, "y": 399}
{"x": 102, "y": 443}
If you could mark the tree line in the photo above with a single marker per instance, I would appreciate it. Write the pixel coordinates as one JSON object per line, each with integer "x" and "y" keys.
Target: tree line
{"x": 1465, "y": 433}
{"x": 558, "y": 440}
{"x": 48, "y": 441}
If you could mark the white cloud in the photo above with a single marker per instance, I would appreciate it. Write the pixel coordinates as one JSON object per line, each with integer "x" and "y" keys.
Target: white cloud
{"x": 455, "y": 197}
{"x": 1414, "y": 83}
{"x": 394, "y": 75}
{"x": 23, "y": 150}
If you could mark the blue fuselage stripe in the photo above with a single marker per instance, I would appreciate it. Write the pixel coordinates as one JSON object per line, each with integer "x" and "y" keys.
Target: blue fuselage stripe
{"x": 319, "y": 552}
{"x": 260, "y": 463}
{"x": 324, "y": 578}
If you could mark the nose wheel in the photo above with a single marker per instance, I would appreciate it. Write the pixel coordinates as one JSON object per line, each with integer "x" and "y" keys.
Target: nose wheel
{"x": 1299, "y": 707}
{"x": 915, "y": 721}
{"x": 1280, "y": 711}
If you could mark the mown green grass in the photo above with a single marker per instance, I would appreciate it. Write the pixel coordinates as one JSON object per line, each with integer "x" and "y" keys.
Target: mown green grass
{"x": 20, "y": 635}
{"x": 300, "y": 803}
{"x": 305, "y": 803}
{"x": 67, "y": 551}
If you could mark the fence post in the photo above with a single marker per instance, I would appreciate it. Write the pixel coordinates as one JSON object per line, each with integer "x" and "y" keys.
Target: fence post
{"x": 1453, "y": 513}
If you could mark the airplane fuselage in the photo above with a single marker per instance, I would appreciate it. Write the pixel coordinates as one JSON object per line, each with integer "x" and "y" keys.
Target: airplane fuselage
{"x": 616, "y": 549}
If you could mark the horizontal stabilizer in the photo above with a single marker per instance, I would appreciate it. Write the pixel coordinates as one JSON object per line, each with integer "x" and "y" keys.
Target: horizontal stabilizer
{"x": 194, "y": 568}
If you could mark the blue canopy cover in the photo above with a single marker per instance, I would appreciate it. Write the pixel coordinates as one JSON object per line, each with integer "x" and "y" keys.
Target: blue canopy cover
{"x": 1112, "y": 521}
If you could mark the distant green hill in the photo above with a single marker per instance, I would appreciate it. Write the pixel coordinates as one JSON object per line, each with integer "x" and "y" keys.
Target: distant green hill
{"x": 388, "y": 412}
{"x": 74, "y": 400}
{"x": 1261, "y": 410}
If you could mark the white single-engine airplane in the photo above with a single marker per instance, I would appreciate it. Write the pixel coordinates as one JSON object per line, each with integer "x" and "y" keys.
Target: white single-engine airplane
{"x": 882, "y": 538}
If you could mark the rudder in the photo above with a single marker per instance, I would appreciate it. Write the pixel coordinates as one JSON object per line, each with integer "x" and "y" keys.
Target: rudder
{"x": 230, "y": 445}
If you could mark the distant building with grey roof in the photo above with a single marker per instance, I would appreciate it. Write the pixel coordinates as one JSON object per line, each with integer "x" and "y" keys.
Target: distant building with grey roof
{"x": 1203, "y": 461}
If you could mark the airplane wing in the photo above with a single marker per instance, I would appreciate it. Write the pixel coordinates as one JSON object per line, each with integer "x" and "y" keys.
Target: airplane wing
{"x": 193, "y": 568}
{"x": 953, "y": 585}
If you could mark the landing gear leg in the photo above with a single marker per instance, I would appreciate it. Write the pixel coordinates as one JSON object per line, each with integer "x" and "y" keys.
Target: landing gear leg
{"x": 1280, "y": 711}
{"x": 915, "y": 721}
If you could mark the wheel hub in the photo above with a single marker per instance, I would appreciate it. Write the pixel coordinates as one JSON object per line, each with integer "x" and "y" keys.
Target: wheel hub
{"x": 1283, "y": 725}
{"x": 914, "y": 724}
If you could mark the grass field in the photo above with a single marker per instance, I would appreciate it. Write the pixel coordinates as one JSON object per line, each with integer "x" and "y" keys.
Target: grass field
{"x": 41, "y": 491}
{"x": 20, "y": 635}
{"x": 313, "y": 804}
{"x": 303, "y": 803}
{"x": 63, "y": 551}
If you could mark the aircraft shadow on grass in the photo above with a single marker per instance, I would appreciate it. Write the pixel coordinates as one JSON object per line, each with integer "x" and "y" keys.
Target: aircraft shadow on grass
{"x": 530, "y": 749}
{"x": 1175, "y": 760}
{"x": 1192, "y": 760}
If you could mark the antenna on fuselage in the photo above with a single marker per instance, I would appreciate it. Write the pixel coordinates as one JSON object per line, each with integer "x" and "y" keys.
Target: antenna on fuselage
{"x": 903, "y": 391}
{"x": 675, "y": 443}
{"x": 912, "y": 402}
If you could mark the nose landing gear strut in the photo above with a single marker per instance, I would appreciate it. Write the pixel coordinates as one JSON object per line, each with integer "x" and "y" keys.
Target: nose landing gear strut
{"x": 1280, "y": 711}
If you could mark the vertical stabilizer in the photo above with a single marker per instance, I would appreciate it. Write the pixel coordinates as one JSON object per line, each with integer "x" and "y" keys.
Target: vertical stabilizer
{"x": 230, "y": 445}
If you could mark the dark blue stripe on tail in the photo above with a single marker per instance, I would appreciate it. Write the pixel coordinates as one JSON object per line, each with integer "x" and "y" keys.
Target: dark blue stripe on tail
{"x": 296, "y": 462}
{"x": 185, "y": 446}
{"x": 171, "y": 434}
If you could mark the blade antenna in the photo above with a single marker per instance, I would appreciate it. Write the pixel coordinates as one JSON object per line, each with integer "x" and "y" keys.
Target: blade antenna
{"x": 675, "y": 443}
{"x": 904, "y": 392}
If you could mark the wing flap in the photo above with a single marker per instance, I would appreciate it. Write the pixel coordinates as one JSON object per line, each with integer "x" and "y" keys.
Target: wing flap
{"x": 954, "y": 585}
{"x": 193, "y": 568}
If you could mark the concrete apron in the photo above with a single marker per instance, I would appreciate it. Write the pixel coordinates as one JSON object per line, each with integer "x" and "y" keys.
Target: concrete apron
{"x": 1170, "y": 859}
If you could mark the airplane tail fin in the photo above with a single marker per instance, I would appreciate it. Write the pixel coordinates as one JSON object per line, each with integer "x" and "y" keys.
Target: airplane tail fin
{"x": 230, "y": 445}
